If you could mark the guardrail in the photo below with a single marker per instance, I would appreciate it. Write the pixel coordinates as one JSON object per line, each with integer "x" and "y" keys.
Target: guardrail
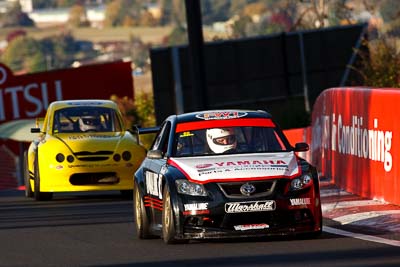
{"x": 355, "y": 140}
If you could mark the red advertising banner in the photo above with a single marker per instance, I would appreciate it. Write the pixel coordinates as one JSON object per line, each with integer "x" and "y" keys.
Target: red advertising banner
{"x": 355, "y": 140}
{"x": 28, "y": 96}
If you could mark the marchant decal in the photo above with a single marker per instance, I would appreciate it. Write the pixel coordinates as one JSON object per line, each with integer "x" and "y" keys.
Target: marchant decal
{"x": 251, "y": 206}
{"x": 354, "y": 139}
{"x": 245, "y": 227}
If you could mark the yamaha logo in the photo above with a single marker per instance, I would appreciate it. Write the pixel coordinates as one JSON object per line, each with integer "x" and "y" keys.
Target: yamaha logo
{"x": 203, "y": 166}
{"x": 247, "y": 189}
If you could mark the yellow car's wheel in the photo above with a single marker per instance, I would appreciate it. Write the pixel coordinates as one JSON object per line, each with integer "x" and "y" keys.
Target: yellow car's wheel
{"x": 141, "y": 220}
{"x": 28, "y": 189}
{"x": 39, "y": 195}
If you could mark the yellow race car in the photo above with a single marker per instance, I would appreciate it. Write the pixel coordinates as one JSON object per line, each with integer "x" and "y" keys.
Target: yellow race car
{"x": 82, "y": 146}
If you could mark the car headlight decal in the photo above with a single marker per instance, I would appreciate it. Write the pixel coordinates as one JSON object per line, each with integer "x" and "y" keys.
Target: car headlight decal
{"x": 70, "y": 158}
{"x": 60, "y": 157}
{"x": 117, "y": 157}
{"x": 126, "y": 155}
{"x": 188, "y": 188}
{"x": 301, "y": 182}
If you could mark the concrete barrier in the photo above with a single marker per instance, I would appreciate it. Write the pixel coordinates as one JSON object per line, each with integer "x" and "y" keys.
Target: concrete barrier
{"x": 356, "y": 140}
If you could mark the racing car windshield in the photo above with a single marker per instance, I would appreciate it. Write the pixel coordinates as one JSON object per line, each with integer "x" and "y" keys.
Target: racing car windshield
{"x": 86, "y": 119}
{"x": 233, "y": 139}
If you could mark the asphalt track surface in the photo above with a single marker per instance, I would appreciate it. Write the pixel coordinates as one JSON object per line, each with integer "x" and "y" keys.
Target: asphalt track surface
{"x": 97, "y": 229}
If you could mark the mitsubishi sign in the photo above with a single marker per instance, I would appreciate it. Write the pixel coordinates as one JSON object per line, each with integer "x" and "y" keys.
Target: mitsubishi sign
{"x": 28, "y": 96}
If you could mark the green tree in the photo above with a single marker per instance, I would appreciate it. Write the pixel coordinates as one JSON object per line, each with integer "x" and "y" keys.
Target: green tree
{"x": 139, "y": 51}
{"x": 241, "y": 26}
{"x": 55, "y": 52}
{"x": 59, "y": 50}
{"x": 77, "y": 16}
{"x": 178, "y": 36}
{"x": 15, "y": 17}
{"x": 119, "y": 12}
{"x": 24, "y": 54}
{"x": 166, "y": 13}
{"x": 112, "y": 14}
{"x": 380, "y": 65}
{"x": 390, "y": 10}
{"x": 215, "y": 10}
{"x": 339, "y": 13}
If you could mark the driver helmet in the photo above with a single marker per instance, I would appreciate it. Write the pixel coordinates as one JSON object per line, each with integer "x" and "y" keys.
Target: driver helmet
{"x": 87, "y": 123}
{"x": 221, "y": 140}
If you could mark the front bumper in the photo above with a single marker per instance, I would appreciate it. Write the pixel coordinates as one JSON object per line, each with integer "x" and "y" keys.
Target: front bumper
{"x": 268, "y": 223}
{"x": 290, "y": 214}
{"x": 87, "y": 177}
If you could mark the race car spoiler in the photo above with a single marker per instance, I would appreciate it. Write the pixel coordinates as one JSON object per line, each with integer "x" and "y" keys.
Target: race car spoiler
{"x": 137, "y": 130}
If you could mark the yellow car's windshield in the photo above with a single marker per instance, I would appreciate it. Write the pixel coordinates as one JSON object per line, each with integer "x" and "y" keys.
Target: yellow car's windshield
{"x": 86, "y": 119}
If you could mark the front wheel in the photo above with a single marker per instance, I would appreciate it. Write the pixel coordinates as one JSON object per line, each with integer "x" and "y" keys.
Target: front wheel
{"x": 168, "y": 222}
{"x": 39, "y": 195}
{"x": 28, "y": 188}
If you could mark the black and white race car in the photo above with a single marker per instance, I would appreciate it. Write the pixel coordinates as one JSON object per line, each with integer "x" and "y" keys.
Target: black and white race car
{"x": 224, "y": 173}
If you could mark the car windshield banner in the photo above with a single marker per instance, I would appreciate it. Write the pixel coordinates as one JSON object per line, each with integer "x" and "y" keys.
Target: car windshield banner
{"x": 238, "y": 167}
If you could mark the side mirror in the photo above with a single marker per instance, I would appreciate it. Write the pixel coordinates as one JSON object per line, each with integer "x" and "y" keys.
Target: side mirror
{"x": 299, "y": 147}
{"x": 35, "y": 130}
{"x": 155, "y": 154}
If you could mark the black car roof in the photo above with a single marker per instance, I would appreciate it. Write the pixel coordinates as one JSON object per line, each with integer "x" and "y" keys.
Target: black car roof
{"x": 223, "y": 113}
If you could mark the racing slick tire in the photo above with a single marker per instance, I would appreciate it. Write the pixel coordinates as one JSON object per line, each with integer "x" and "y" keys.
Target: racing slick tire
{"x": 28, "y": 189}
{"x": 141, "y": 219}
{"x": 168, "y": 222}
{"x": 39, "y": 195}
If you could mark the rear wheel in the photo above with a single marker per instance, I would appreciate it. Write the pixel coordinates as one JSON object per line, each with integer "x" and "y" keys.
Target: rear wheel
{"x": 28, "y": 188}
{"x": 141, "y": 219}
{"x": 39, "y": 195}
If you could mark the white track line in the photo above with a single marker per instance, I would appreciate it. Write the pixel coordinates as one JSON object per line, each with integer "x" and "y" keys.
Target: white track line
{"x": 333, "y": 192}
{"x": 349, "y": 204}
{"x": 361, "y": 236}
{"x": 357, "y": 217}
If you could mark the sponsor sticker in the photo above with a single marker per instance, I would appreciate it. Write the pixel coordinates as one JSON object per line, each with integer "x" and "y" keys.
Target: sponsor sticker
{"x": 250, "y": 206}
{"x": 300, "y": 201}
{"x": 84, "y": 136}
{"x": 186, "y": 134}
{"x": 245, "y": 227}
{"x": 196, "y": 206}
{"x": 224, "y": 115}
{"x": 92, "y": 103}
{"x": 242, "y": 166}
{"x": 153, "y": 184}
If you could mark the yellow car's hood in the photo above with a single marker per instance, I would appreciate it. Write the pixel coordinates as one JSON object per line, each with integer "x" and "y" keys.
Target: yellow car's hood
{"x": 92, "y": 141}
